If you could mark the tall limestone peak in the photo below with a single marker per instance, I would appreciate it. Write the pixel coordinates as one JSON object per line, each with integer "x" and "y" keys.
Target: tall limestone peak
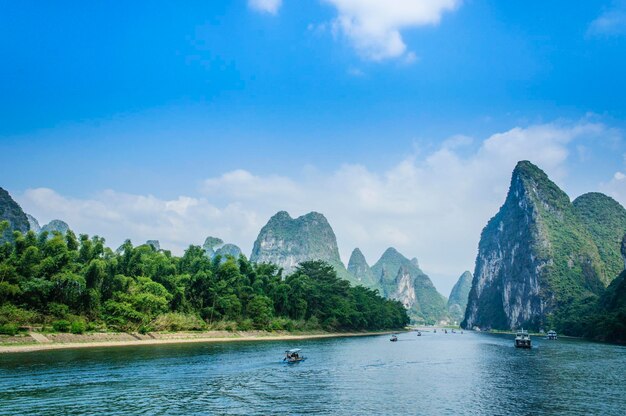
{"x": 605, "y": 219}
{"x": 457, "y": 302}
{"x": 211, "y": 244}
{"x": 534, "y": 256}
{"x": 287, "y": 242}
{"x": 358, "y": 267}
{"x": 11, "y": 211}
{"x": 55, "y": 225}
{"x": 531, "y": 184}
{"x": 401, "y": 279}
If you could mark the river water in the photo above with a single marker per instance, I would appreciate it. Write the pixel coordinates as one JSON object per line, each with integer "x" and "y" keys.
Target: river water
{"x": 435, "y": 374}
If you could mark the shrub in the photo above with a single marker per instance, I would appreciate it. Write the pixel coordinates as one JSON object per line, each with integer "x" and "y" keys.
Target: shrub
{"x": 178, "y": 322}
{"x": 144, "y": 329}
{"x": 61, "y": 325}
{"x": 8, "y": 329}
{"x": 245, "y": 325}
{"x": 58, "y": 310}
{"x": 15, "y": 315}
{"x": 78, "y": 327}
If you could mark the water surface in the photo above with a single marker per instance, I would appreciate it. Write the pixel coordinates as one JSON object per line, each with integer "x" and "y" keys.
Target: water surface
{"x": 455, "y": 374}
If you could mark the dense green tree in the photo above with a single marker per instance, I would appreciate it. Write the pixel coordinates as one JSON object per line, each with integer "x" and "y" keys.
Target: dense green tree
{"x": 59, "y": 277}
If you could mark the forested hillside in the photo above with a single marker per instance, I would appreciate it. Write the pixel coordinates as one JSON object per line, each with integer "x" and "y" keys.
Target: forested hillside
{"x": 78, "y": 284}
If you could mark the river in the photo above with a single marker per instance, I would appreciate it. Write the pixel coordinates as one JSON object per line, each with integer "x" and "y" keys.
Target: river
{"x": 435, "y": 374}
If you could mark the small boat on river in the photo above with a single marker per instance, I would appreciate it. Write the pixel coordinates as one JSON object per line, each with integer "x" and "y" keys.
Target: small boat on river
{"x": 293, "y": 356}
{"x": 551, "y": 335}
{"x": 393, "y": 338}
{"x": 419, "y": 334}
{"x": 522, "y": 339}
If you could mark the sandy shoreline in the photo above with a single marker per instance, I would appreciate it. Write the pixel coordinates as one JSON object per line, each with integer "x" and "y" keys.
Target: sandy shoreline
{"x": 231, "y": 337}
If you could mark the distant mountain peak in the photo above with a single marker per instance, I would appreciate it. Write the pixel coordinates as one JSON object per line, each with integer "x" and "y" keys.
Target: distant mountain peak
{"x": 392, "y": 253}
{"x": 358, "y": 267}
{"x": 55, "y": 225}
{"x": 401, "y": 279}
{"x": 457, "y": 302}
{"x": 287, "y": 242}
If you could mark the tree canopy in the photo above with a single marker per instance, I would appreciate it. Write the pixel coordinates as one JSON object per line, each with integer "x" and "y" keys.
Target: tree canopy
{"x": 61, "y": 278}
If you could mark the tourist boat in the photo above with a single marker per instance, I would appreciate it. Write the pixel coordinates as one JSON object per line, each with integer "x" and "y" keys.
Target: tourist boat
{"x": 551, "y": 335}
{"x": 393, "y": 338}
{"x": 293, "y": 356}
{"x": 419, "y": 334}
{"x": 522, "y": 339}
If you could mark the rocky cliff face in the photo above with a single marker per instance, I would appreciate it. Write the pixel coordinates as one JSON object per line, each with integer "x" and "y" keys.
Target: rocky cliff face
{"x": 11, "y": 211}
{"x": 33, "y": 223}
{"x": 457, "y": 302}
{"x": 401, "y": 279}
{"x": 287, "y": 242}
{"x": 360, "y": 270}
{"x": 534, "y": 257}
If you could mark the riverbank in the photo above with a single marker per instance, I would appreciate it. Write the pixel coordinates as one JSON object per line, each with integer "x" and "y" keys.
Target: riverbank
{"x": 43, "y": 342}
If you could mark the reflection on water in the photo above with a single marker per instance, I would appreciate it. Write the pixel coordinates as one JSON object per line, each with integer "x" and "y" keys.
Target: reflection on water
{"x": 434, "y": 374}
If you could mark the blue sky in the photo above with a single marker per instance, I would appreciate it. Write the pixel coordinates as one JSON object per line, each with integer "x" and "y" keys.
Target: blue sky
{"x": 173, "y": 105}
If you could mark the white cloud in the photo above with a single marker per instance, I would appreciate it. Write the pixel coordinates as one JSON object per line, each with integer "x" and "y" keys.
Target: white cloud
{"x": 265, "y": 6}
{"x": 373, "y": 26}
{"x": 432, "y": 205}
{"x": 177, "y": 223}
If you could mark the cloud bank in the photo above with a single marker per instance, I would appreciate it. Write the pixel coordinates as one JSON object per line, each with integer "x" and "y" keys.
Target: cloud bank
{"x": 373, "y": 27}
{"x": 429, "y": 205}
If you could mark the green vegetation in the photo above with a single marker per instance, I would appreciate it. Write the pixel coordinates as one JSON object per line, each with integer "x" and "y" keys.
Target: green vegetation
{"x": 605, "y": 219}
{"x": 76, "y": 284}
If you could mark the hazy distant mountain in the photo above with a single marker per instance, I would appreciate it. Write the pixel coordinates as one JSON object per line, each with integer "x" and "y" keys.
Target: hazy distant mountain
{"x": 541, "y": 257}
{"x": 360, "y": 270}
{"x": 11, "y": 211}
{"x": 211, "y": 244}
{"x": 55, "y": 225}
{"x": 214, "y": 246}
{"x": 400, "y": 278}
{"x": 155, "y": 244}
{"x": 457, "y": 302}
{"x": 287, "y": 242}
{"x": 228, "y": 250}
